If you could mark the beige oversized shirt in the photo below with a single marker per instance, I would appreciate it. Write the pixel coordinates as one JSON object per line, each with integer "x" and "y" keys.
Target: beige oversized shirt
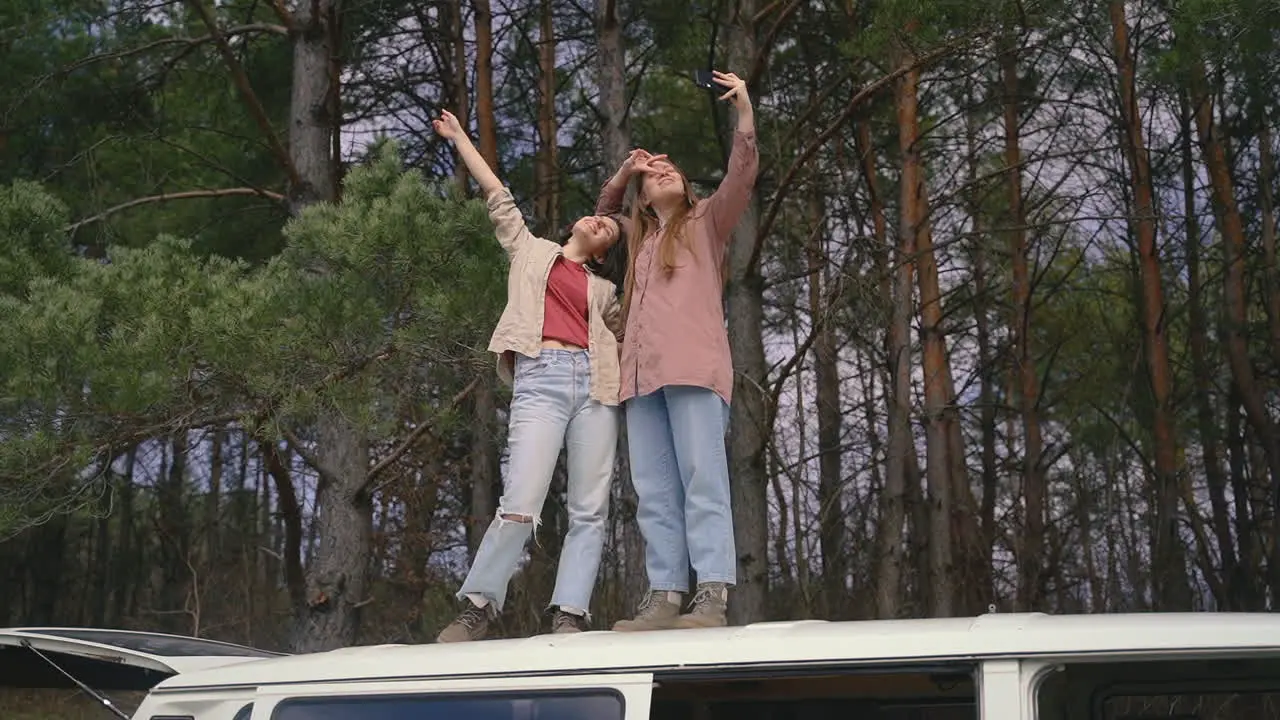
{"x": 675, "y": 332}
{"x": 520, "y": 327}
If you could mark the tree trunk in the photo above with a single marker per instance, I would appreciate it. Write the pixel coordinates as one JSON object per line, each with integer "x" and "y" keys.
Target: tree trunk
{"x": 1250, "y": 562}
{"x": 890, "y": 543}
{"x": 547, "y": 180}
{"x": 213, "y": 498}
{"x": 484, "y": 474}
{"x": 826, "y": 372}
{"x": 290, "y": 511}
{"x": 337, "y": 578}
{"x": 918, "y": 541}
{"x": 749, "y": 413}
{"x": 611, "y": 78}
{"x": 1172, "y": 590}
{"x": 338, "y": 572}
{"x": 457, "y": 76}
{"x": 103, "y": 566}
{"x": 125, "y": 558}
{"x": 939, "y": 415}
{"x": 311, "y": 120}
{"x": 1234, "y": 288}
{"x": 174, "y": 532}
{"x": 1202, "y": 371}
{"x": 1266, "y": 206}
{"x": 987, "y": 361}
{"x": 486, "y": 124}
{"x": 1031, "y": 583}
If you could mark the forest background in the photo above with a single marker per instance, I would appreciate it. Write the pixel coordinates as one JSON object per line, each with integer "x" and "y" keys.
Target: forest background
{"x": 1004, "y": 312}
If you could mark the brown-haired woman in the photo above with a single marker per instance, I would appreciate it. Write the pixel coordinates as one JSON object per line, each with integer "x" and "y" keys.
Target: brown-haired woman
{"x": 677, "y": 376}
{"x": 557, "y": 344}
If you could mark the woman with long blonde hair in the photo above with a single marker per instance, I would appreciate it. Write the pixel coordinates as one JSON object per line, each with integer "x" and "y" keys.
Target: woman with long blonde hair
{"x": 677, "y": 375}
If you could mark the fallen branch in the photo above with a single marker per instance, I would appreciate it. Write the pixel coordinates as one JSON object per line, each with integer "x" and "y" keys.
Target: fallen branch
{"x": 185, "y": 195}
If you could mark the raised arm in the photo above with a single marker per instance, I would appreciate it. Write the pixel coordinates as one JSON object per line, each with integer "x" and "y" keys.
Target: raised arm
{"x": 508, "y": 223}
{"x": 448, "y": 127}
{"x": 611, "y": 195}
{"x": 730, "y": 200}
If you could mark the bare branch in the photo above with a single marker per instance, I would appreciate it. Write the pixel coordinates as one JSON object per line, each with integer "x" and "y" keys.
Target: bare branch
{"x": 854, "y": 102}
{"x": 291, "y": 512}
{"x": 247, "y": 29}
{"x": 282, "y": 12}
{"x": 422, "y": 429}
{"x": 241, "y": 79}
{"x": 185, "y": 195}
{"x": 326, "y": 471}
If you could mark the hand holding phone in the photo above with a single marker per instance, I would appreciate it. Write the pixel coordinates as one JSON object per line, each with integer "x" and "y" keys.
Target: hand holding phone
{"x": 704, "y": 79}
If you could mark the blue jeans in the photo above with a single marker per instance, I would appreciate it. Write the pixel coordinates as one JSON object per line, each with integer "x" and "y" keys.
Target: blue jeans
{"x": 551, "y": 407}
{"x": 680, "y": 471}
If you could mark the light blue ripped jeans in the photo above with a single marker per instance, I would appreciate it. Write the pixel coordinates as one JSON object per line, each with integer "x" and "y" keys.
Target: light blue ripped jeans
{"x": 551, "y": 407}
{"x": 680, "y": 471}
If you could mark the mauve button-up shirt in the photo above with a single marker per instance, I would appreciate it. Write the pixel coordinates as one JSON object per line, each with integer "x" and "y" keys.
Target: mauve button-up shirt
{"x": 675, "y": 332}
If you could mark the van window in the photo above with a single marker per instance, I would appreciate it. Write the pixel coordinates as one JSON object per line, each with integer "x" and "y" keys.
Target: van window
{"x": 601, "y": 705}
{"x": 1221, "y": 689}
{"x": 938, "y": 693}
{"x": 1243, "y": 705}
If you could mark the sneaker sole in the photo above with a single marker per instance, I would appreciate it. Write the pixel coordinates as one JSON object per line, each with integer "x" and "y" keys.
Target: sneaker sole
{"x": 685, "y": 623}
{"x": 646, "y": 627}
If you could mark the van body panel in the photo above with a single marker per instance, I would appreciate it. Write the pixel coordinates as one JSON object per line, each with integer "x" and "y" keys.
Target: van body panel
{"x": 774, "y": 645}
{"x": 1005, "y": 667}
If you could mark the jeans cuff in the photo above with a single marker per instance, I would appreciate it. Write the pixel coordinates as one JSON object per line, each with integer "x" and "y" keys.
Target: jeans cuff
{"x": 729, "y": 579}
{"x": 567, "y": 607}
{"x": 497, "y": 604}
{"x": 680, "y": 587}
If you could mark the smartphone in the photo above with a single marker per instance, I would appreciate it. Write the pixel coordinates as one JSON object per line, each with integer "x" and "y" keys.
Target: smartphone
{"x": 704, "y": 79}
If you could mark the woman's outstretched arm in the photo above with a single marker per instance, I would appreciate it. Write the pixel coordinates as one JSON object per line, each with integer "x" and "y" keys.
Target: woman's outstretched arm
{"x": 730, "y": 200}
{"x": 448, "y": 127}
{"x": 508, "y": 223}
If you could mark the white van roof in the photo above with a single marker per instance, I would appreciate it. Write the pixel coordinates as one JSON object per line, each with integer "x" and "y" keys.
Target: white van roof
{"x": 811, "y": 642}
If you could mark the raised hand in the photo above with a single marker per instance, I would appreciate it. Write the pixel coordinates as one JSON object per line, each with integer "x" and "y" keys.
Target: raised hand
{"x": 640, "y": 161}
{"x": 737, "y": 87}
{"x": 447, "y": 126}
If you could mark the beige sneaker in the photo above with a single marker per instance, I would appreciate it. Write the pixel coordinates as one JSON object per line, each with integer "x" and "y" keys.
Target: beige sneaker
{"x": 564, "y": 623}
{"x": 709, "y": 606}
{"x": 472, "y": 624}
{"x": 658, "y": 611}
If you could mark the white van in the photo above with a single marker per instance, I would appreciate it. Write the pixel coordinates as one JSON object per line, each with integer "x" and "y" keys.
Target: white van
{"x": 996, "y": 667}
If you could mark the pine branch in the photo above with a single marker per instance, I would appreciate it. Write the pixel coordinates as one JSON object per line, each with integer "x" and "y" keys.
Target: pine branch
{"x": 185, "y": 195}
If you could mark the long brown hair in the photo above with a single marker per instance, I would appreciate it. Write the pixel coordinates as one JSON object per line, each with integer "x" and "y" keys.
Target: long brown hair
{"x": 643, "y": 221}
